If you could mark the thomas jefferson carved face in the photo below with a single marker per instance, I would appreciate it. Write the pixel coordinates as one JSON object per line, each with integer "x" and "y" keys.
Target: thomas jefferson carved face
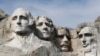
{"x": 44, "y": 26}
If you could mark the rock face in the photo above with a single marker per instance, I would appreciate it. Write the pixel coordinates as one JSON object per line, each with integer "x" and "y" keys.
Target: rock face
{"x": 36, "y": 41}
{"x": 98, "y": 19}
{"x": 97, "y": 25}
{"x": 8, "y": 51}
{"x": 3, "y": 22}
{"x": 3, "y": 18}
{"x": 3, "y": 14}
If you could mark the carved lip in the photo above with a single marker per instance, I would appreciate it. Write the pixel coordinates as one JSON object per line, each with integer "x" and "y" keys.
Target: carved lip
{"x": 84, "y": 45}
{"x": 64, "y": 45}
{"x": 44, "y": 32}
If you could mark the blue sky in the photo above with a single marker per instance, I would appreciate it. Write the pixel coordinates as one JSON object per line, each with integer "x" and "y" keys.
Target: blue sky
{"x": 67, "y": 13}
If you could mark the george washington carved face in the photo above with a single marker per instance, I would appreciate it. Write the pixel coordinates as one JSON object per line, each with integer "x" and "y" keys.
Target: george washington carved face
{"x": 63, "y": 40}
{"x": 20, "y": 20}
{"x": 44, "y": 26}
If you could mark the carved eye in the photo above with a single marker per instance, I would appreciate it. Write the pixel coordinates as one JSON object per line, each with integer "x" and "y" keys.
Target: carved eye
{"x": 14, "y": 18}
{"x": 80, "y": 36}
{"x": 40, "y": 24}
{"x": 23, "y": 17}
{"x": 60, "y": 36}
{"x": 47, "y": 24}
{"x": 88, "y": 34}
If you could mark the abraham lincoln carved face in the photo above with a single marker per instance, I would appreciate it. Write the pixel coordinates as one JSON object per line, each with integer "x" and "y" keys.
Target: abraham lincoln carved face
{"x": 62, "y": 39}
{"x": 87, "y": 36}
{"x": 20, "y": 20}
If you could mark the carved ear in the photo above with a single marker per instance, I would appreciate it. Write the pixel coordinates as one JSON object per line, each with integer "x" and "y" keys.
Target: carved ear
{"x": 73, "y": 33}
{"x": 8, "y": 25}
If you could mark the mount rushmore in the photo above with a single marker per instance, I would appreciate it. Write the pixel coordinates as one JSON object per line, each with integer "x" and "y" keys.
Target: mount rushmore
{"x": 22, "y": 34}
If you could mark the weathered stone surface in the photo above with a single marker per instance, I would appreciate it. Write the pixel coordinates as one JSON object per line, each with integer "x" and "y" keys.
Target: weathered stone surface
{"x": 3, "y": 22}
{"x": 97, "y": 19}
{"x": 51, "y": 51}
{"x": 44, "y": 47}
{"x": 3, "y": 14}
{"x": 97, "y": 25}
{"x": 8, "y": 51}
{"x": 82, "y": 25}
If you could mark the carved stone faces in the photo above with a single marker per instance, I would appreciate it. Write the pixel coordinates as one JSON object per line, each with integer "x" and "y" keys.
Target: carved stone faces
{"x": 44, "y": 26}
{"x": 87, "y": 35}
{"x": 20, "y": 20}
{"x": 63, "y": 40}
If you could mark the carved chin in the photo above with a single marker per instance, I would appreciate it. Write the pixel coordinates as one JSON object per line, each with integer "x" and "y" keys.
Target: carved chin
{"x": 20, "y": 30}
{"x": 17, "y": 30}
{"x": 85, "y": 45}
{"x": 45, "y": 35}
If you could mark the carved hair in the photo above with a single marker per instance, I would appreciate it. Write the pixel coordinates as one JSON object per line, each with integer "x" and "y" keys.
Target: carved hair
{"x": 93, "y": 29}
{"x": 57, "y": 28}
{"x": 85, "y": 24}
{"x": 51, "y": 25}
{"x": 28, "y": 14}
{"x": 48, "y": 19}
{"x": 61, "y": 27}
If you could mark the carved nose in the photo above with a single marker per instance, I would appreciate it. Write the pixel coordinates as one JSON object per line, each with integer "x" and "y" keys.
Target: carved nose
{"x": 19, "y": 23}
{"x": 65, "y": 39}
{"x": 84, "y": 41}
{"x": 45, "y": 29}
